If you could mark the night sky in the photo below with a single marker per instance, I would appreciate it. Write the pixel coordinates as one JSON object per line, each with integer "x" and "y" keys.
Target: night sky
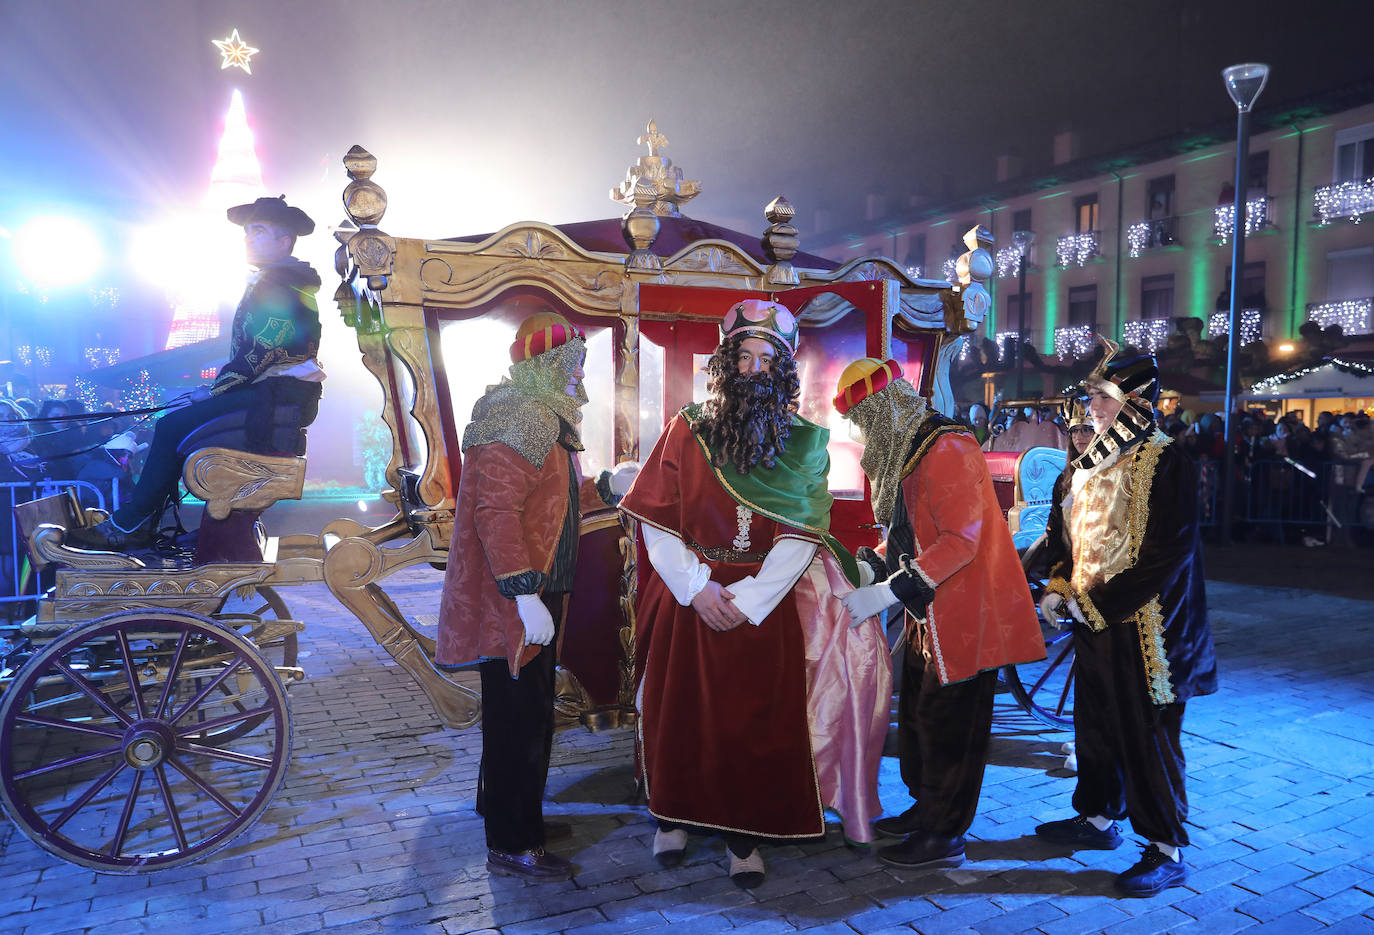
{"x": 485, "y": 113}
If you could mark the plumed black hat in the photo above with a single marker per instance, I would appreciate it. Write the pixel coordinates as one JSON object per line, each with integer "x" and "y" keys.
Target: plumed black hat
{"x": 273, "y": 211}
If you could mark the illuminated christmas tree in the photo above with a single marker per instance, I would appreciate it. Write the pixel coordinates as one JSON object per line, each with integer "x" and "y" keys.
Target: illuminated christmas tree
{"x": 139, "y": 392}
{"x": 235, "y": 179}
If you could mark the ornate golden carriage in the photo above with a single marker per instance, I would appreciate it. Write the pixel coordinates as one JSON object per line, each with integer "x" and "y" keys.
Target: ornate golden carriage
{"x": 150, "y": 725}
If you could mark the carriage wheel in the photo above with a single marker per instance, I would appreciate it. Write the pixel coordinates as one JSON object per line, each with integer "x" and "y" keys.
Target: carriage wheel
{"x": 254, "y": 615}
{"x": 125, "y": 764}
{"x": 1045, "y": 688}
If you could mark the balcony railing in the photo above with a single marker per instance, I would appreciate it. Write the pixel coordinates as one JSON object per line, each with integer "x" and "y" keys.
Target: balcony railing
{"x": 1353, "y": 315}
{"x": 1150, "y": 334}
{"x": 1077, "y": 248}
{"x": 1074, "y": 341}
{"x": 1350, "y": 200}
{"x": 1257, "y": 217}
{"x": 1147, "y": 235}
{"x": 1251, "y": 325}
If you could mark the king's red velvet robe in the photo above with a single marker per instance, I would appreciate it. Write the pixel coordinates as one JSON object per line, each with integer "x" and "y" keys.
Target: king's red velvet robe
{"x": 723, "y": 735}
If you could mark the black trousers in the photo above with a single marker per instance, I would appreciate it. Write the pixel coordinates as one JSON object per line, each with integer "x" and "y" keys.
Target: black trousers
{"x": 517, "y": 739}
{"x": 1130, "y": 760}
{"x": 943, "y": 732}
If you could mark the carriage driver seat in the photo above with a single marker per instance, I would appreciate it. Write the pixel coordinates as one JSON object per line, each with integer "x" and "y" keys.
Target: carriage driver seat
{"x": 242, "y": 462}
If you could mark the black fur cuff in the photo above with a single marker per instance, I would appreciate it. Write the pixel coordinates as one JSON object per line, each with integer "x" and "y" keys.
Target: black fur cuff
{"x": 603, "y": 488}
{"x": 527, "y": 582}
{"x": 911, "y": 588}
{"x": 873, "y": 560}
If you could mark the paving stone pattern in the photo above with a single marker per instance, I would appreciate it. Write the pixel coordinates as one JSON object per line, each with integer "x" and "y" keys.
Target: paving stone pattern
{"x": 374, "y": 830}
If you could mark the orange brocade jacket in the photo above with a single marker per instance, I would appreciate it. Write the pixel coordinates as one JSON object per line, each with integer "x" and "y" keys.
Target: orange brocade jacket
{"x": 507, "y": 520}
{"x": 982, "y": 616}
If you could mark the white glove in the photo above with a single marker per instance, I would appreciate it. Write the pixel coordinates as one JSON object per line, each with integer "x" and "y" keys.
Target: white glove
{"x": 1052, "y": 608}
{"x": 863, "y": 603}
{"x": 623, "y": 476}
{"x": 536, "y": 618}
{"x": 1076, "y": 611}
{"x": 866, "y": 575}
{"x": 200, "y": 394}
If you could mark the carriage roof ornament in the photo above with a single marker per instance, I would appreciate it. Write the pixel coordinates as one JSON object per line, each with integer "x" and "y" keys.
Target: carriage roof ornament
{"x": 670, "y": 189}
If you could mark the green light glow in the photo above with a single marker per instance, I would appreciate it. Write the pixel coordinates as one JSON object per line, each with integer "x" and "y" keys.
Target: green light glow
{"x": 1055, "y": 195}
{"x": 1053, "y": 303}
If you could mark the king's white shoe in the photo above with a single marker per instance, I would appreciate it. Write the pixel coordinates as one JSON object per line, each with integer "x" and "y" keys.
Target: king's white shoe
{"x": 747, "y": 872}
{"x": 670, "y": 846}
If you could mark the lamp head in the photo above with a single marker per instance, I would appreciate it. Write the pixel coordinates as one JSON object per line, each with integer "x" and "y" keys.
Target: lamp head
{"x": 1022, "y": 240}
{"x": 1244, "y": 83}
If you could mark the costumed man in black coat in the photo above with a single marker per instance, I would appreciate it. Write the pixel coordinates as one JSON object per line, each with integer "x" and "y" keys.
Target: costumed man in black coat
{"x": 1126, "y": 566}
{"x": 273, "y": 344}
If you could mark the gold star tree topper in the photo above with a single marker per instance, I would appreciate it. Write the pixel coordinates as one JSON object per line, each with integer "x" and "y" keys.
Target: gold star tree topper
{"x": 235, "y": 52}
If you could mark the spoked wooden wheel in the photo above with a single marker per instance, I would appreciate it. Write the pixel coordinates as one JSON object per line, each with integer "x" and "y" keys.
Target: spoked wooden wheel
{"x": 256, "y": 613}
{"x": 1045, "y": 689}
{"x": 115, "y": 745}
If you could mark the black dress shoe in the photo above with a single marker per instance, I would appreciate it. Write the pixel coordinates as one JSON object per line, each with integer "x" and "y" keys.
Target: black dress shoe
{"x": 1155, "y": 872}
{"x": 534, "y": 865}
{"x": 1078, "y": 832}
{"x": 897, "y": 826}
{"x": 923, "y": 850}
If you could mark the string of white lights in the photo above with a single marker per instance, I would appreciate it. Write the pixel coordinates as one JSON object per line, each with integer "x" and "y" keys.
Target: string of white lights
{"x": 1137, "y": 236}
{"x": 1009, "y": 261}
{"x": 1279, "y": 379}
{"x": 1251, "y": 325}
{"x": 1350, "y": 200}
{"x": 1351, "y": 314}
{"x": 1149, "y": 333}
{"x": 1076, "y": 248}
{"x": 1256, "y": 218}
{"x": 1074, "y": 341}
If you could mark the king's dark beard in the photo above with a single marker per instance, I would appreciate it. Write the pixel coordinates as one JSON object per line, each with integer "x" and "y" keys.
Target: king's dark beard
{"x": 747, "y": 421}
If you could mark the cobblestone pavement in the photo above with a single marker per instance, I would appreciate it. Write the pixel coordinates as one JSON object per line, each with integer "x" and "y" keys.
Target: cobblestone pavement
{"x": 374, "y": 829}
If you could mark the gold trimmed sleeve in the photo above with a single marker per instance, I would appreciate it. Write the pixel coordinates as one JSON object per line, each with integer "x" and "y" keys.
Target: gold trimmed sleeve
{"x": 1150, "y": 624}
{"x": 1095, "y": 621}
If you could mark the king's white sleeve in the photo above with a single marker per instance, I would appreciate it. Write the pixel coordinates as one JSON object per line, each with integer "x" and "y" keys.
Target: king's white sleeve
{"x": 683, "y": 573}
{"x": 757, "y": 595}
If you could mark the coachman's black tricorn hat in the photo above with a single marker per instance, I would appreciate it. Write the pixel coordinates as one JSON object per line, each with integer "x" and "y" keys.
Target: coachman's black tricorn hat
{"x": 273, "y": 211}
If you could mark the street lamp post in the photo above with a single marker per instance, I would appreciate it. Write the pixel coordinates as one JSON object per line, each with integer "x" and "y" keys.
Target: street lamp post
{"x": 1244, "y": 84}
{"x": 1022, "y": 240}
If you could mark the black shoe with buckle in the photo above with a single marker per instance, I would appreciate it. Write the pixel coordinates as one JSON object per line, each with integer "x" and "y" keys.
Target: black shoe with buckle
{"x": 924, "y": 851}
{"x": 535, "y": 865}
{"x": 1081, "y": 834}
{"x": 1154, "y": 873}
{"x": 897, "y": 826}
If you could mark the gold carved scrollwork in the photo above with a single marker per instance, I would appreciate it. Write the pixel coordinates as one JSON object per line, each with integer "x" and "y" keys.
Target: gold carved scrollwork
{"x": 229, "y": 480}
{"x": 352, "y": 570}
{"x": 570, "y": 698}
{"x": 46, "y": 546}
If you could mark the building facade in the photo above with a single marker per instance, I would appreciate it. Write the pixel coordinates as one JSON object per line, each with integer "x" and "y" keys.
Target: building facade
{"x": 1130, "y": 246}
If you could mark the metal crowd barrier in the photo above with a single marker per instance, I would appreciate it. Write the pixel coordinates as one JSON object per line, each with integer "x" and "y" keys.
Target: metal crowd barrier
{"x": 1293, "y": 500}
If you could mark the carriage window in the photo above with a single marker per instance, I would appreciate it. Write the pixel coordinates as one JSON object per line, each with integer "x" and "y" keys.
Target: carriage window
{"x": 830, "y": 340}
{"x": 651, "y": 418}
{"x": 476, "y": 355}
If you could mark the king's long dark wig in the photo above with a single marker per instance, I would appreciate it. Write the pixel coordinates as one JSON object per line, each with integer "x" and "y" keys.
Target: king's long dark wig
{"x": 748, "y": 418}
